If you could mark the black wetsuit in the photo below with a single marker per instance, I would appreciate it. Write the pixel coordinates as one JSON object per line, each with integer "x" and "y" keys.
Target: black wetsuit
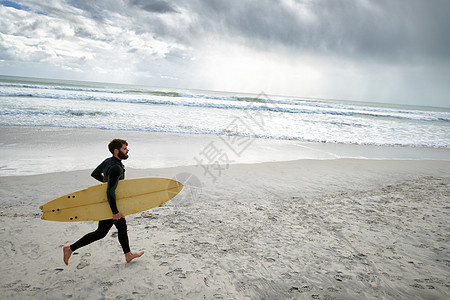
{"x": 111, "y": 170}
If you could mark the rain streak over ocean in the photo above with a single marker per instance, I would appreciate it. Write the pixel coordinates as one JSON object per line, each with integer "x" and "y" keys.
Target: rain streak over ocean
{"x": 76, "y": 104}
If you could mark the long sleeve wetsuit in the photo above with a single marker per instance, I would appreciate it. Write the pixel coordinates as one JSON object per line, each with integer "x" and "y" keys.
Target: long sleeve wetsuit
{"x": 111, "y": 170}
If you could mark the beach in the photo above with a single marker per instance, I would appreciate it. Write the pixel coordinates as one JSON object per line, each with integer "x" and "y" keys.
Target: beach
{"x": 277, "y": 220}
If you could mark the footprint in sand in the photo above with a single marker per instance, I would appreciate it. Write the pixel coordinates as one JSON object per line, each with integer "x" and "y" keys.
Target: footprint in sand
{"x": 177, "y": 272}
{"x": 31, "y": 250}
{"x": 83, "y": 264}
{"x": 8, "y": 248}
{"x": 17, "y": 286}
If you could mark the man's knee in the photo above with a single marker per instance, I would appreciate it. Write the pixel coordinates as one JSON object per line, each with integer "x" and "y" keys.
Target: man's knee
{"x": 121, "y": 224}
{"x": 103, "y": 228}
{"x": 101, "y": 233}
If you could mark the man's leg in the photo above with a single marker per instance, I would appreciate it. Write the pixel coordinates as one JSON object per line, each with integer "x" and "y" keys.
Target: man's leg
{"x": 121, "y": 226}
{"x": 102, "y": 230}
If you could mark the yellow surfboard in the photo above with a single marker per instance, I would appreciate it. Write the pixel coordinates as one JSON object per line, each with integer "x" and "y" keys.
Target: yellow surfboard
{"x": 91, "y": 204}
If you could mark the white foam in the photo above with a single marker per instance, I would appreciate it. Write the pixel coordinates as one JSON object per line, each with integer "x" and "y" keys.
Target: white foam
{"x": 202, "y": 113}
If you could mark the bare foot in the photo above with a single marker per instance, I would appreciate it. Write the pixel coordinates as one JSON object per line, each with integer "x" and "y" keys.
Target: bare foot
{"x": 67, "y": 253}
{"x": 130, "y": 256}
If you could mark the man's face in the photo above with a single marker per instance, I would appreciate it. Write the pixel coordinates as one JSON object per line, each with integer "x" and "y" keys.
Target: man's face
{"x": 123, "y": 152}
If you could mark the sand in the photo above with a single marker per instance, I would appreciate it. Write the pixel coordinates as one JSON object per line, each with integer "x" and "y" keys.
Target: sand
{"x": 341, "y": 228}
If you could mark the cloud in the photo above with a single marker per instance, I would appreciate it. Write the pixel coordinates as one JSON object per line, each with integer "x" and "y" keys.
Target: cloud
{"x": 74, "y": 36}
{"x": 157, "y": 6}
{"x": 384, "y": 30}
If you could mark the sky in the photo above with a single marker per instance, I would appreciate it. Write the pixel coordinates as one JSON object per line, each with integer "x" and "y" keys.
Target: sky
{"x": 392, "y": 51}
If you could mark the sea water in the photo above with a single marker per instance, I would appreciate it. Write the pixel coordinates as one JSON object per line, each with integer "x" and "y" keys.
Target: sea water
{"x": 77, "y": 104}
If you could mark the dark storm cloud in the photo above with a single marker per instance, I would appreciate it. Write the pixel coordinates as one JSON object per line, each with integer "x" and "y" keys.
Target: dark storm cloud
{"x": 382, "y": 29}
{"x": 154, "y": 6}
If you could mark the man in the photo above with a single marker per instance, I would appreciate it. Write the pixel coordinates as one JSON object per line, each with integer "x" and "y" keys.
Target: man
{"x": 111, "y": 170}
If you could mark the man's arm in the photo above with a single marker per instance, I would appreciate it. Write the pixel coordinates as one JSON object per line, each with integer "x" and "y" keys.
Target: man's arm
{"x": 113, "y": 179}
{"x": 98, "y": 173}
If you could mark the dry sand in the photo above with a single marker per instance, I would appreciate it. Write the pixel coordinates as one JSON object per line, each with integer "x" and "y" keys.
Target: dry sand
{"x": 305, "y": 229}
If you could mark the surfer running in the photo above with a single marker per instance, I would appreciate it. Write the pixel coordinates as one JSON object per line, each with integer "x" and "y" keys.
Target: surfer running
{"x": 111, "y": 170}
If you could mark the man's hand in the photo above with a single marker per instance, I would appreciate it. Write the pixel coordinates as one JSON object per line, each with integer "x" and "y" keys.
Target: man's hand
{"x": 118, "y": 216}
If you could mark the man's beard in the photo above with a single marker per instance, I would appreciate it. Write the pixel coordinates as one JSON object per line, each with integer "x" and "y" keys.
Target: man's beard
{"x": 122, "y": 155}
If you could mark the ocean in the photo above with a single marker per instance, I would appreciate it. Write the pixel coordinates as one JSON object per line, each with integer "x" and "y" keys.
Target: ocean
{"x": 78, "y": 104}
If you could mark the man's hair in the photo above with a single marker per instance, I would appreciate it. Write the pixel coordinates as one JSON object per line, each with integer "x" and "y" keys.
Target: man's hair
{"x": 116, "y": 144}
